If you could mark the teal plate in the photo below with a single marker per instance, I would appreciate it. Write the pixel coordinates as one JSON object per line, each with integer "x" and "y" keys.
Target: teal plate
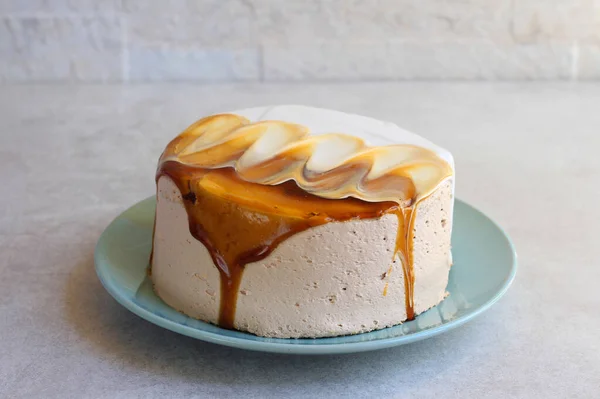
{"x": 484, "y": 266}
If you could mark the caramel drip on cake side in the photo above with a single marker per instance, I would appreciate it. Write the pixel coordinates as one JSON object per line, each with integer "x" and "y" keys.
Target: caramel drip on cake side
{"x": 247, "y": 187}
{"x": 404, "y": 250}
{"x": 241, "y": 222}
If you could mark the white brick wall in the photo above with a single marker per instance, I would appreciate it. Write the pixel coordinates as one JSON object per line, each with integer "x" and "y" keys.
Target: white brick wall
{"x": 298, "y": 40}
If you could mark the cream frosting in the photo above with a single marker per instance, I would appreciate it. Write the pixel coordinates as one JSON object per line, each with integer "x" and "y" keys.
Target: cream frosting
{"x": 327, "y": 163}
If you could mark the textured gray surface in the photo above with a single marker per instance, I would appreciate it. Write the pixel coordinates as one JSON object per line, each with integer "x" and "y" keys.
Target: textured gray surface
{"x": 297, "y": 40}
{"x": 72, "y": 158}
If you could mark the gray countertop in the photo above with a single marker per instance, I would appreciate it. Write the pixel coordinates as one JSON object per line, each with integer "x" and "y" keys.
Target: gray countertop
{"x": 73, "y": 157}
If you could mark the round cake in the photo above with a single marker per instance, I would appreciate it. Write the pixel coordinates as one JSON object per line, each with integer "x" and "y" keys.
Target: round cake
{"x": 290, "y": 221}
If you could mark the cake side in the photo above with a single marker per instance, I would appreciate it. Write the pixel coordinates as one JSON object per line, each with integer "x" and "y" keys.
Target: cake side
{"x": 432, "y": 256}
{"x": 329, "y": 280}
{"x": 183, "y": 273}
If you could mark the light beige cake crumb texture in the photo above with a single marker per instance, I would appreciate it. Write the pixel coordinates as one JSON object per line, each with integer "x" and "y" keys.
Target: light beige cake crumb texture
{"x": 325, "y": 281}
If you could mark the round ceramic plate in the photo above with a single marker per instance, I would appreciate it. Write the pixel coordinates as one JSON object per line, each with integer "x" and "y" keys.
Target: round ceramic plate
{"x": 484, "y": 266}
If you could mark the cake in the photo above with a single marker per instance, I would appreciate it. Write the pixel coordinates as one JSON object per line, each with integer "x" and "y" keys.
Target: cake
{"x": 288, "y": 222}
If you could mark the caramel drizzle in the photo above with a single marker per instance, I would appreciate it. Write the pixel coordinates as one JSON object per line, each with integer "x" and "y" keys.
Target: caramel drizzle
{"x": 404, "y": 250}
{"x": 251, "y": 232}
{"x": 218, "y": 161}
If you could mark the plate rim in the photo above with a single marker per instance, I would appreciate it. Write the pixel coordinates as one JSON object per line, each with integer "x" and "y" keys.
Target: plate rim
{"x": 305, "y": 349}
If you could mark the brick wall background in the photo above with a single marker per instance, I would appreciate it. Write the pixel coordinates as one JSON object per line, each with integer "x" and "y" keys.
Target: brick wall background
{"x": 297, "y": 40}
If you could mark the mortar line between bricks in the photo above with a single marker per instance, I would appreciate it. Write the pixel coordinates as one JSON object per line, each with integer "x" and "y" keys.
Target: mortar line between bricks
{"x": 261, "y": 63}
{"x": 124, "y": 49}
{"x": 575, "y": 60}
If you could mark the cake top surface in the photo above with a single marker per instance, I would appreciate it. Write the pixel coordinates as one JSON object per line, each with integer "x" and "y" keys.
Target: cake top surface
{"x": 320, "y": 121}
{"x": 325, "y": 152}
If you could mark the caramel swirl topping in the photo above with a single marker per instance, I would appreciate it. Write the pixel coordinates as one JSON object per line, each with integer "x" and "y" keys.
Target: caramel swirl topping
{"x": 331, "y": 166}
